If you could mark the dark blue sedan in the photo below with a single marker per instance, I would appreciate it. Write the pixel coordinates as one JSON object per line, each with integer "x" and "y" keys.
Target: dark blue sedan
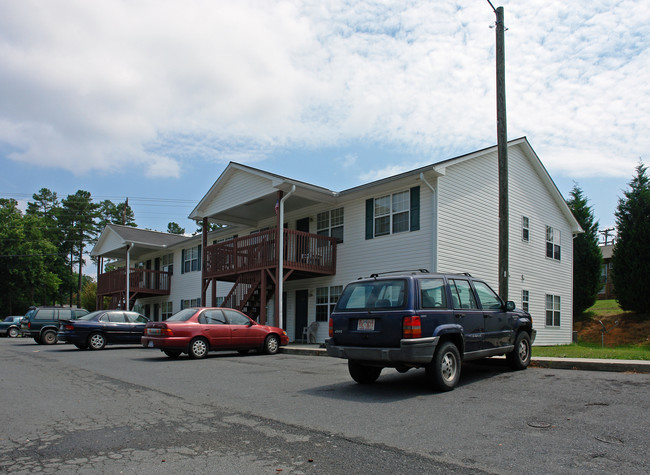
{"x": 97, "y": 329}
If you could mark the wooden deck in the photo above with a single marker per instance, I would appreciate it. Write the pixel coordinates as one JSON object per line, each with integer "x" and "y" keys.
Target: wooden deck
{"x": 308, "y": 255}
{"x": 142, "y": 282}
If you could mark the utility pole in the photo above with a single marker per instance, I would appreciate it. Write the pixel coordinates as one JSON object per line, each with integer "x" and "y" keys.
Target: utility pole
{"x": 502, "y": 148}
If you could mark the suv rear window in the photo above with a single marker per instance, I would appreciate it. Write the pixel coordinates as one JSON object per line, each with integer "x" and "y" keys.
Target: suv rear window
{"x": 371, "y": 295}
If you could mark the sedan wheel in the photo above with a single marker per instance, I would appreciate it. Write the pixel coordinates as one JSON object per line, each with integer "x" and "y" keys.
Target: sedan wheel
{"x": 96, "y": 341}
{"x": 13, "y": 332}
{"x": 271, "y": 345}
{"x": 198, "y": 348}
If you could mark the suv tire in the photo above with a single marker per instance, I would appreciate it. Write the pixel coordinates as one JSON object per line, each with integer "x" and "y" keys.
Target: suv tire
{"x": 363, "y": 374}
{"x": 48, "y": 337}
{"x": 519, "y": 358}
{"x": 444, "y": 371}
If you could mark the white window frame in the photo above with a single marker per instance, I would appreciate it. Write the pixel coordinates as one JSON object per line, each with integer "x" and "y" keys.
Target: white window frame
{"x": 525, "y": 300}
{"x": 391, "y": 207}
{"x": 553, "y": 243}
{"x": 525, "y": 228}
{"x": 553, "y": 312}
{"x": 326, "y": 298}
{"x": 188, "y": 303}
{"x": 166, "y": 310}
{"x": 192, "y": 259}
{"x": 330, "y": 223}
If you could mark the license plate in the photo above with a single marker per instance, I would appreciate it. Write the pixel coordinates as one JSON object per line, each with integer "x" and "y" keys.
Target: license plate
{"x": 366, "y": 324}
{"x": 153, "y": 331}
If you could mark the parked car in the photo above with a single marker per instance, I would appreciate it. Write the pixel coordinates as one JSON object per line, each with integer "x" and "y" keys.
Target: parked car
{"x": 42, "y": 323}
{"x": 196, "y": 331}
{"x": 423, "y": 320}
{"x": 97, "y": 329}
{"x": 10, "y": 326}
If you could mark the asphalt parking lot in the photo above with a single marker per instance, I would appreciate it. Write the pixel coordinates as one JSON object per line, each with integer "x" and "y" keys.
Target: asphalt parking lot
{"x": 132, "y": 410}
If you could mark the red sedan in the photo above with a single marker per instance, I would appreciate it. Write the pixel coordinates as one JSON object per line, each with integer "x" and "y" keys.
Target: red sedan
{"x": 196, "y": 331}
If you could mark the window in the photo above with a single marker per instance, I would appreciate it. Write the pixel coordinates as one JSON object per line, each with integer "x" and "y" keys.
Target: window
{"x": 326, "y": 298}
{"x": 190, "y": 303}
{"x": 392, "y": 213}
{"x": 236, "y": 318}
{"x": 212, "y": 317}
{"x": 191, "y": 259}
{"x": 552, "y": 310}
{"x": 489, "y": 299}
{"x": 552, "y": 243}
{"x": 525, "y": 300}
{"x": 462, "y": 295}
{"x": 330, "y": 223}
{"x": 167, "y": 263}
{"x": 167, "y": 309}
{"x": 432, "y": 293}
{"x": 525, "y": 229}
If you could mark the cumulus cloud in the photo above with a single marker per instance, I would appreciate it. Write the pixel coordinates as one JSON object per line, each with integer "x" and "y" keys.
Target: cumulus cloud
{"x": 94, "y": 86}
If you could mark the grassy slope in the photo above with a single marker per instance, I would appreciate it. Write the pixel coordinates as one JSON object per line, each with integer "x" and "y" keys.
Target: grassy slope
{"x": 627, "y": 339}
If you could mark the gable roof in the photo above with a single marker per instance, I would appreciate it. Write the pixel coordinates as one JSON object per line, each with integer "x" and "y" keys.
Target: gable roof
{"x": 115, "y": 237}
{"x": 263, "y": 196}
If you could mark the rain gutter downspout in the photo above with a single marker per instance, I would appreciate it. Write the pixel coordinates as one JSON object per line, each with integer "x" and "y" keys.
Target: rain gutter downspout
{"x": 281, "y": 256}
{"x": 434, "y": 224}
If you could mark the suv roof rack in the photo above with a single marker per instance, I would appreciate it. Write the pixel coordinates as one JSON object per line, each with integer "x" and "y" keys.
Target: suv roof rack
{"x": 413, "y": 271}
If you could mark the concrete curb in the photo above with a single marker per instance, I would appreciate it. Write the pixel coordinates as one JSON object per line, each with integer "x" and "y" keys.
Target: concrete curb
{"x": 584, "y": 364}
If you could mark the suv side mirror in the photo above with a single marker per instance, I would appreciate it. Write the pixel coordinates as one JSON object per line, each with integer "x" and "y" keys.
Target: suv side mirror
{"x": 510, "y": 306}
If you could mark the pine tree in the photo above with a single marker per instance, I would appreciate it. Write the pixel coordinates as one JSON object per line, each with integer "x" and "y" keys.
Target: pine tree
{"x": 631, "y": 257}
{"x": 587, "y": 257}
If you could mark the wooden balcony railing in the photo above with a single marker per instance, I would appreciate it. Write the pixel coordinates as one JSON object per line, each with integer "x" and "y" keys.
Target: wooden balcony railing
{"x": 306, "y": 252}
{"x": 144, "y": 281}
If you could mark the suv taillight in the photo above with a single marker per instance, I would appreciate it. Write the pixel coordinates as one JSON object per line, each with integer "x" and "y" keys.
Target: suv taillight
{"x": 411, "y": 327}
{"x": 331, "y": 326}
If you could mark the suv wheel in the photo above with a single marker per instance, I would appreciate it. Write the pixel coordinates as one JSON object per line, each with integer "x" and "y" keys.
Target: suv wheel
{"x": 363, "y": 374}
{"x": 519, "y": 358}
{"x": 49, "y": 337}
{"x": 444, "y": 370}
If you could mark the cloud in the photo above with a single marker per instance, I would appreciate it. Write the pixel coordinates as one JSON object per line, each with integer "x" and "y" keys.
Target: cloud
{"x": 102, "y": 85}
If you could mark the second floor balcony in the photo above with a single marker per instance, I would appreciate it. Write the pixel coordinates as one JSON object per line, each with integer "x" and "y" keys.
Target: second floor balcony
{"x": 144, "y": 282}
{"x": 305, "y": 254}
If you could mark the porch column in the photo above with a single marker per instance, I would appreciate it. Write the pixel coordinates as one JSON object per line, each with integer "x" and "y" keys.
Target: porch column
{"x": 99, "y": 272}
{"x": 204, "y": 241}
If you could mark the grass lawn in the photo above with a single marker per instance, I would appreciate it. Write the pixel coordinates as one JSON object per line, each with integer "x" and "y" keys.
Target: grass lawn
{"x": 592, "y": 350}
{"x": 627, "y": 336}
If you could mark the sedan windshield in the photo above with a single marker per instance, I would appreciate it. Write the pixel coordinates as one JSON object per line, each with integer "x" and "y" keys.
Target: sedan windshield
{"x": 182, "y": 316}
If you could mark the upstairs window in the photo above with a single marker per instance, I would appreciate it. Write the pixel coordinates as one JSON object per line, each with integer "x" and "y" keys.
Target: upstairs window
{"x": 191, "y": 259}
{"x": 525, "y": 229}
{"x": 553, "y": 248}
{"x": 330, "y": 223}
{"x": 394, "y": 213}
{"x": 167, "y": 263}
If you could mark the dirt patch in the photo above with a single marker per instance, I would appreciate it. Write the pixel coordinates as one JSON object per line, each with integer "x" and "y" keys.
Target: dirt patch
{"x": 631, "y": 329}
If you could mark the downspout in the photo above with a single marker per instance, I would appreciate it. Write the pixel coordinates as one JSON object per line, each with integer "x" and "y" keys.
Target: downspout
{"x": 281, "y": 255}
{"x": 434, "y": 224}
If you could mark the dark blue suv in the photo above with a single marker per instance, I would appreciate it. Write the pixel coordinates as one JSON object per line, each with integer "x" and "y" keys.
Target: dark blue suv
{"x": 424, "y": 320}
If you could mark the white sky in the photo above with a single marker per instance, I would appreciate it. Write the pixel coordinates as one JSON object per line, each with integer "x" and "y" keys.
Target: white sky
{"x": 148, "y": 96}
